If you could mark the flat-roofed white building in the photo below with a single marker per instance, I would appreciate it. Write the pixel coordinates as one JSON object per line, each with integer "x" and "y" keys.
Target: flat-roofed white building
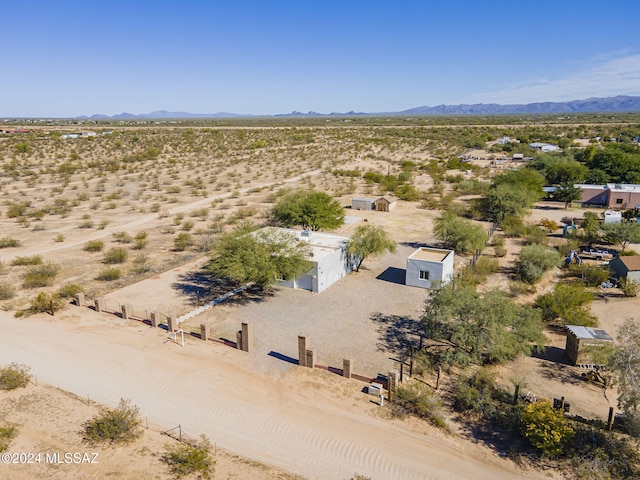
{"x": 429, "y": 267}
{"x": 328, "y": 258}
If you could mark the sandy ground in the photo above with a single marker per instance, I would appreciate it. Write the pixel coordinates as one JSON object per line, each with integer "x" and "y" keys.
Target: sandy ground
{"x": 58, "y": 433}
{"x": 307, "y": 422}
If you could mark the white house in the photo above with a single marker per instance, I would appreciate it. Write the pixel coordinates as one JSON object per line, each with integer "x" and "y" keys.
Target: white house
{"x": 429, "y": 267}
{"x": 328, "y": 258}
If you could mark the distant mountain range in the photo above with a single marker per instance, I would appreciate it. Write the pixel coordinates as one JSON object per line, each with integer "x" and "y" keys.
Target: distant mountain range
{"x": 620, "y": 103}
{"x": 161, "y": 114}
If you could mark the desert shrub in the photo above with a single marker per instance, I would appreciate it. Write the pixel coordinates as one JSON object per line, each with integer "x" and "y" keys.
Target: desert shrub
{"x": 41, "y": 275}
{"x": 627, "y": 253}
{"x": 69, "y": 290}
{"x": 41, "y": 303}
{"x": 200, "y": 212}
{"x": 14, "y": 376}
{"x": 517, "y": 288}
{"x": 550, "y": 225}
{"x": 122, "y": 237}
{"x": 93, "y": 246}
{"x": 108, "y": 274}
{"x": 7, "y": 433}
{"x": 500, "y": 251}
{"x": 546, "y": 428}
{"x": 114, "y": 426}
{"x": 629, "y": 287}
{"x": 140, "y": 240}
{"x": 7, "y": 242}
{"x": 534, "y": 261}
{"x": 184, "y": 459}
{"x": 477, "y": 393}
{"x": 187, "y": 225}
{"x": 513, "y": 226}
{"x": 567, "y": 303}
{"x": 417, "y": 399}
{"x": 597, "y": 454}
{"x": 7, "y": 291}
{"x": 486, "y": 266}
{"x": 59, "y": 238}
{"x": 32, "y": 260}
{"x": 182, "y": 242}
{"x": 592, "y": 275}
{"x": 534, "y": 234}
{"x": 115, "y": 255}
{"x": 142, "y": 265}
{"x": 86, "y": 222}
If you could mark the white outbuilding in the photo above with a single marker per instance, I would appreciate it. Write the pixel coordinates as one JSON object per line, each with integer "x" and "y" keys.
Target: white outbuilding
{"x": 429, "y": 267}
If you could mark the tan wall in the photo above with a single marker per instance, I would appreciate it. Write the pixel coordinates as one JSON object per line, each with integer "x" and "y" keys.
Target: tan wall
{"x": 626, "y": 199}
{"x": 595, "y": 196}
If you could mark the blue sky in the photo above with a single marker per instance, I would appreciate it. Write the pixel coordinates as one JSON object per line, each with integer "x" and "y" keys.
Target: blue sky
{"x": 70, "y": 58}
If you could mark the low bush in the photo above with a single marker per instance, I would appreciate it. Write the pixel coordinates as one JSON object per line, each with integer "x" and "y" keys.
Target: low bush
{"x": 629, "y": 287}
{"x": 69, "y": 290}
{"x": 41, "y": 275}
{"x": 568, "y": 304}
{"x": 7, "y": 242}
{"x": 14, "y": 376}
{"x": 108, "y": 274}
{"x": 7, "y": 291}
{"x": 477, "y": 393}
{"x": 546, "y": 428}
{"x": 115, "y": 255}
{"x": 7, "y": 433}
{"x": 113, "y": 426}
{"x": 42, "y": 303}
{"x": 32, "y": 260}
{"x": 122, "y": 237}
{"x": 184, "y": 459}
{"x": 140, "y": 240}
{"x": 93, "y": 246}
{"x": 534, "y": 261}
{"x": 591, "y": 275}
{"x": 417, "y": 399}
{"x": 182, "y": 242}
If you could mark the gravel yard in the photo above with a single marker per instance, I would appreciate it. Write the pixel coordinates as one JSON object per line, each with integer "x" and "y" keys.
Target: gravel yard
{"x": 360, "y": 317}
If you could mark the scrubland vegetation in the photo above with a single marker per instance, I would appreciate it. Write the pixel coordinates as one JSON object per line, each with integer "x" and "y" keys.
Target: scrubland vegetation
{"x": 178, "y": 193}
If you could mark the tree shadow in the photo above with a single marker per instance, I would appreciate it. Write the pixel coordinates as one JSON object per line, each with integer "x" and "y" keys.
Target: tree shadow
{"x": 397, "y": 334}
{"x": 393, "y": 275}
{"x": 555, "y": 365}
{"x": 415, "y": 245}
{"x": 201, "y": 287}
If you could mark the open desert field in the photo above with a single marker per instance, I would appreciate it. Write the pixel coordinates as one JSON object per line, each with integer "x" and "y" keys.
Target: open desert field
{"x": 158, "y": 198}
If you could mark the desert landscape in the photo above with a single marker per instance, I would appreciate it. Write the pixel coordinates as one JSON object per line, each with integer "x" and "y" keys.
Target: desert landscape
{"x": 132, "y": 215}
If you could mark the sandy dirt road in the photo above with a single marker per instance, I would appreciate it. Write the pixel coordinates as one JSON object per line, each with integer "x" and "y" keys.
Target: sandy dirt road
{"x": 211, "y": 389}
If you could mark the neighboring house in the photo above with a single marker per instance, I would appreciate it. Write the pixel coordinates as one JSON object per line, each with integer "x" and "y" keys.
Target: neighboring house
{"x": 623, "y": 196}
{"x": 386, "y": 204}
{"x": 620, "y": 196}
{"x": 504, "y": 140}
{"x": 329, "y": 260}
{"x": 578, "y": 338}
{"x": 363, "y": 204}
{"x": 544, "y": 147}
{"x": 593, "y": 194}
{"x": 429, "y": 267}
{"x": 626, "y": 267}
